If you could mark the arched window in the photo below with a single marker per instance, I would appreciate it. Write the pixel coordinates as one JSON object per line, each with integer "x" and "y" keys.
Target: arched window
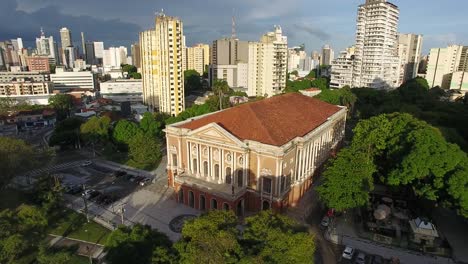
{"x": 228, "y": 176}
{"x": 174, "y": 160}
{"x": 205, "y": 168}
{"x": 194, "y": 166}
{"x": 202, "y": 203}
{"x": 240, "y": 178}
{"x": 265, "y": 205}
{"x": 214, "y": 204}
{"x": 191, "y": 199}
{"x": 225, "y": 206}
{"x": 216, "y": 171}
{"x": 181, "y": 196}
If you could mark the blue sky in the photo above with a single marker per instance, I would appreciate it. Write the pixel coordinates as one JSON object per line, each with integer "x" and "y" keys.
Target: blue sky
{"x": 312, "y": 22}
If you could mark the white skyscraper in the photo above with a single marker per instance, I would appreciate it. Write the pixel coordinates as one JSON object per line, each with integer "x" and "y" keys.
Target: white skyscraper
{"x": 376, "y": 62}
{"x": 99, "y": 50}
{"x": 443, "y": 63}
{"x": 328, "y": 55}
{"x": 65, "y": 37}
{"x": 45, "y": 46}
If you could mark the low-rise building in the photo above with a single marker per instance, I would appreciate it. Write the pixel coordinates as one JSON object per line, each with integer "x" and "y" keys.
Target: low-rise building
{"x": 36, "y": 76}
{"x": 25, "y": 89}
{"x": 254, "y": 156}
{"x": 64, "y": 80}
{"x": 38, "y": 63}
{"x": 122, "y": 90}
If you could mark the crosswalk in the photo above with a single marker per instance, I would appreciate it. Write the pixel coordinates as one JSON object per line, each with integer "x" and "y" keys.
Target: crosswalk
{"x": 53, "y": 168}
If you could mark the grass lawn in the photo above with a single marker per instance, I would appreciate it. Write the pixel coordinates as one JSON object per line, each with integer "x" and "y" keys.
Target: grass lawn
{"x": 73, "y": 225}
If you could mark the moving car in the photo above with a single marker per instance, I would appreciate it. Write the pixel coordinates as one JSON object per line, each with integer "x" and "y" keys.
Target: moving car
{"x": 120, "y": 173}
{"x": 325, "y": 222}
{"x": 87, "y": 193}
{"x": 348, "y": 252}
{"x": 361, "y": 258}
{"x": 86, "y": 163}
{"x": 145, "y": 181}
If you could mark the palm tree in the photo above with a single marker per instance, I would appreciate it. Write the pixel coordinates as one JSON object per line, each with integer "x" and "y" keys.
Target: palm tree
{"x": 220, "y": 87}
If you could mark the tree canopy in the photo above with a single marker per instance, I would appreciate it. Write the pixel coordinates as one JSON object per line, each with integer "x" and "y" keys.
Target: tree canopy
{"x": 96, "y": 129}
{"x": 192, "y": 80}
{"x": 62, "y": 103}
{"x": 66, "y": 132}
{"x": 15, "y": 157}
{"x": 144, "y": 152}
{"x": 397, "y": 150}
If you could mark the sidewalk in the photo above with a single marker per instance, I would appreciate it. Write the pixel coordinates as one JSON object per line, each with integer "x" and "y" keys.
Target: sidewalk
{"x": 84, "y": 248}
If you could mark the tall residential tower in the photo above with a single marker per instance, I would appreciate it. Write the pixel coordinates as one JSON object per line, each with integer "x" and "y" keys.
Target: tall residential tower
{"x": 162, "y": 66}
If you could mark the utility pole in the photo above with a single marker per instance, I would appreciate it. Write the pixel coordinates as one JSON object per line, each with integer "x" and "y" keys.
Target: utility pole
{"x": 122, "y": 211}
{"x": 85, "y": 203}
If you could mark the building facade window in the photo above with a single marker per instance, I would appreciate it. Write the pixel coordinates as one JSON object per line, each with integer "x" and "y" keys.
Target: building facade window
{"x": 191, "y": 199}
{"x": 205, "y": 168}
{"x": 194, "y": 166}
{"x": 214, "y": 204}
{"x": 226, "y": 206}
{"x": 174, "y": 160}
{"x": 202, "y": 202}
{"x": 266, "y": 185}
{"x": 181, "y": 196}
{"x": 228, "y": 176}
{"x": 240, "y": 179}
{"x": 216, "y": 171}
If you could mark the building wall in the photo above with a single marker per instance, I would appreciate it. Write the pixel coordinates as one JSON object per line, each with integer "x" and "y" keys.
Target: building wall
{"x": 70, "y": 80}
{"x": 445, "y": 61}
{"x": 459, "y": 81}
{"x": 197, "y": 58}
{"x": 342, "y": 69}
{"x": 148, "y": 67}
{"x": 6, "y": 77}
{"x": 409, "y": 52}
{"x": 278, "y": 176}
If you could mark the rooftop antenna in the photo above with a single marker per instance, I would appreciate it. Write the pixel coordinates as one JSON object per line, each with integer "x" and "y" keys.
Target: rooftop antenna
{"x": 233, "y": 32}
{"x": 42, "y": 32}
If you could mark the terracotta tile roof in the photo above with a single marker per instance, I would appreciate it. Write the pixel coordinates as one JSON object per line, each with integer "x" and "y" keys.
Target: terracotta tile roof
{"x": 274, "y": 121}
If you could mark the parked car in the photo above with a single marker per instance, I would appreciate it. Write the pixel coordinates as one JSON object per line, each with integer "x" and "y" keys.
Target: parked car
{"x": 361, "y": 258}
{"x": 86, "y": 163}
{"x": 137, "y": 179}
{"x": 145, "y": 181}
{"x": 75, "y": 189}
{"x": 87, "y": 193}
{"x": 375, "y": 259}
{"x": 348, "y": 252}
{"x": 94, "y": 194}
{"x": 325, "y": 222}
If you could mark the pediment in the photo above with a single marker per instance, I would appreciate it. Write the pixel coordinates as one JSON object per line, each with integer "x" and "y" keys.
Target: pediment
{"x": 215, "y": 133}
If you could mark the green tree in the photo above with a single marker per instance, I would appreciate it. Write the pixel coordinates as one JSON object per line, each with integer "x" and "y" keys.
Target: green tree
{"x": 220, "y": 88}
{"x": 192, "y": 80}
{"x": 145, "y": 152}
{"x": 135, "y": 245}
{"x": 15, "y": 157}
{"x": 128, "y": 68}
{"x": 48, "y": 192}
{"x": 12, "y": 247}
{"x": 96, "y": 129}
{"x": 124, "y": 131}
{"x": 347, "y": 180}
{"x": 274, "y": 238}
{"x": 62, "y": 103}
{"x": 211, "y": 239}
{"x": 66, "y": 132}
{"x": 152, "y": 126}
{"x": 53, "y": 256}
{"x": 31, "y": 218}
{"x": 135, "y": 75}
{"x": 312, "y": 74}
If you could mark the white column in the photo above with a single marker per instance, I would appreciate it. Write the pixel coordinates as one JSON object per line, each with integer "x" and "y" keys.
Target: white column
{"x": 189, "y": 159}
{"x": 220, "y": 166}
{"x": 222, "y": 173}
{"x": 299, "y": 177}
{"x": 199, "y": 167}
{"x": 258, "y": 172}
{"x": 179, "y": 154}
{"x": 307, "y": 161}
{"x": 276, "y": 191}
{"x": 247, "y": 168}
{"x": 210, "y": 164}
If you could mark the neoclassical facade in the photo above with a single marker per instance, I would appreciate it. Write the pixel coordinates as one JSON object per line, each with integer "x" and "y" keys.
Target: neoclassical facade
{"x": 253, "y": 156}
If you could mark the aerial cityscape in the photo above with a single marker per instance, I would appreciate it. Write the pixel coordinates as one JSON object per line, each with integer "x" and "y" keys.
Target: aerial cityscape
{"x": 233, "y": 132}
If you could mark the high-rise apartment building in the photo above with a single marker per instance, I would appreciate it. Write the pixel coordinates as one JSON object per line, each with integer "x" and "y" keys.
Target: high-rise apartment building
{"x": 90, "y": 57}
{"x": 45, "y": 46}
{"x": 114, "y": 57}
{"x": 268, "y": 64}
{"x": 99, "y": 50}
{"x": 328, "y": 55}
{"x": 443, "y": 62}
{"x": 229, "y": 51}
{"x": 376, "y": 62}
{"x": 342, "y": 69}
{"x": 136, "y": 57}
{"x": 409, "y": 52}
{"x": 298, "y": 60}
{"x": 197, "y": 58}
{"x": 162, "y": 52}
{"x": 38, "y": 64}
{"x": 65, "y": 38}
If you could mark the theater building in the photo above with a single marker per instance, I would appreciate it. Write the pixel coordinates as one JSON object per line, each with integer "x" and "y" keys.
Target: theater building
{"x": 254, "y": 156}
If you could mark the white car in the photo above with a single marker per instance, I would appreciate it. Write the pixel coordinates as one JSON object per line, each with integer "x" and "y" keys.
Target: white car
{"x": 325, "y": 222}
{"x": 145, "y": 181}
{"x": 87, "y": 193}
{"x": 348, "y": 252}
{"x": 86, "y": 163}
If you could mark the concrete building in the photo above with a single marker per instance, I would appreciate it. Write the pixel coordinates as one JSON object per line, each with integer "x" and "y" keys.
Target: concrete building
{"x": 197, "y": 58}
{"x": 236, "y": 76}
{"x": 342, "y": 69}
{"x": 162, "y": 59}
{"x": 6, "y": 77}
{"x": 298, "y": 60}
{"x": 376, "y": 62}
{"x": 229, "y": 51}
{"x": 443, "y": 62}
{"x": 114, "y": 57}
{"x": 409, "y": 52}
{"x": 69, "y": 57}
{"x": 90, "y": 56}
{"x": 136, "y": 57}
{"x": 99, "y": 51}
{"x": 122, "y": 90}
{"x": 65, "y": 80}
{"x": 459, "y": 81}
{"x": 26, "y": 89}
{"x": 66, "y": 38}
{"x": 268, "y": 64}
{"x": 38, "y": 64}
{"x": 221, "y": 161}
{"x": 328, "y": 55}
{"x": 45, "y": 46}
